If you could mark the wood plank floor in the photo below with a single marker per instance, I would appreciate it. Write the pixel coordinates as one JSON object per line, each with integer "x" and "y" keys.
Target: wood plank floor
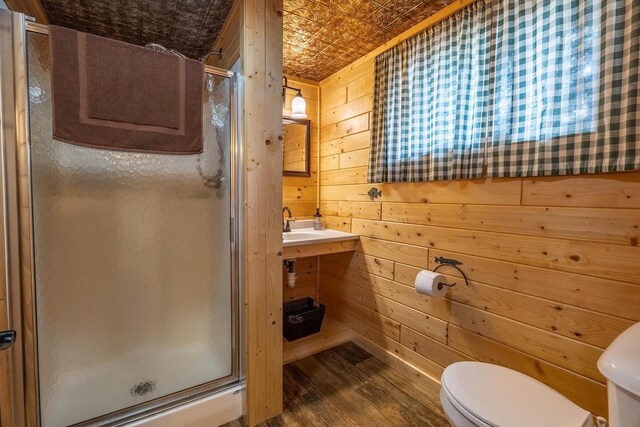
{"x": 332, "y": 334}
{"x": 346, "y": 386}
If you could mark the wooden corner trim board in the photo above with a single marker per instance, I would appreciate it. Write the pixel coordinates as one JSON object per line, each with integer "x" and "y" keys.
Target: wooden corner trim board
{"x": 261, "y": 68}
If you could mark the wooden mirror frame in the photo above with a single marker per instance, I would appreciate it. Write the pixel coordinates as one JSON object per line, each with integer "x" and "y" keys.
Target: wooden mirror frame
{"x": 307, "y": 149}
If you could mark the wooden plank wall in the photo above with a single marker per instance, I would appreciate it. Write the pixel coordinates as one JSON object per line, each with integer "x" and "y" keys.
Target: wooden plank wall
{"x": 553, "y": 262}
{"x": 300, "y": 194}
{"x": 261, "y": 69}
{"x": 307, "y": 276}
{"x": 228, "y": 40}
{"x": 29, "y": 7}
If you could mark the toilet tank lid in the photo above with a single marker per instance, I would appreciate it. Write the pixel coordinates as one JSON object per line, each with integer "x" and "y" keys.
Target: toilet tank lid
{"x": 620, "y": 362}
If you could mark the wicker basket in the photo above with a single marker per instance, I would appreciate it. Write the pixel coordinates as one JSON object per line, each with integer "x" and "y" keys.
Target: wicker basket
{"x": 301, "y": 317}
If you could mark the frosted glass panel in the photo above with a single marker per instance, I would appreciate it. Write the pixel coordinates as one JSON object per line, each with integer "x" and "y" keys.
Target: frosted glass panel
{"x": 132, "y": 263}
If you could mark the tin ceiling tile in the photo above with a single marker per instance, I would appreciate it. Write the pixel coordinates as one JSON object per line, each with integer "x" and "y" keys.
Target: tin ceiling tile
{"x": 188, "y": 26}
{"x": 330, "y": 34}
{"x": 402, "y": 7}
{"x": 422, "y": 12}
{"x": 383, "y": 17}
{"x": 317, "y": 12}
{"x": 156, "y": 23}
{"x": 321, "y": 36}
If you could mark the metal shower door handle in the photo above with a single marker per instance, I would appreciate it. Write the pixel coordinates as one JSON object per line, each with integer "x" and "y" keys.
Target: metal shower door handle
{"x": 7, "y": 338}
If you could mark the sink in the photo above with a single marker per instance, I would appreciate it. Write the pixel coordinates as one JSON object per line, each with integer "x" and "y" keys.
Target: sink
{"x": 293, "y": 236}
{"x": 308, "y": 236}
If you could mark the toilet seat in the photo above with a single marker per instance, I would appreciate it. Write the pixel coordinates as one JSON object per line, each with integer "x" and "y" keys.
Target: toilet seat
{"x": 494, "y": 396}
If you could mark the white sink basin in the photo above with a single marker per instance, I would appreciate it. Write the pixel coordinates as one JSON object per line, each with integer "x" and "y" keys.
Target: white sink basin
{"x": 300, "y": 235}
{"x": 309, "y": 236}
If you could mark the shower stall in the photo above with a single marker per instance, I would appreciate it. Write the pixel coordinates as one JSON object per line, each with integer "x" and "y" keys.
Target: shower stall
{"x": 121, "y": 268}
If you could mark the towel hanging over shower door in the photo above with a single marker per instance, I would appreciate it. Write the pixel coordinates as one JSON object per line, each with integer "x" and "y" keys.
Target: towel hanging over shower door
{"x": 117, "y": 96}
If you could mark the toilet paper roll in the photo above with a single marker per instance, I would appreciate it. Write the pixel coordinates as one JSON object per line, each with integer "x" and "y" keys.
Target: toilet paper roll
{"x": 427, "y": 284}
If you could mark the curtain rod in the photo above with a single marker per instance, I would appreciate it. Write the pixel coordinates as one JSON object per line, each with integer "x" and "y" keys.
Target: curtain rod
{"x": 34, "y": 27}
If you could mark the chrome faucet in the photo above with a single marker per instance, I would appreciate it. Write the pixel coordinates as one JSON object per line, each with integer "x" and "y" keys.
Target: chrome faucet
{"x": 286, "y": 226}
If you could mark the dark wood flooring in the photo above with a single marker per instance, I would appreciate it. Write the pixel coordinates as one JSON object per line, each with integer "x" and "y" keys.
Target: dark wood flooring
{"x": 346, "y": 386}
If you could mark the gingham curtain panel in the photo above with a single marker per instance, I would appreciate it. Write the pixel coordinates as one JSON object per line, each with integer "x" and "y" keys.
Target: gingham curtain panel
{"x": 554, "y": 91}
{"x": 430, "y": 103}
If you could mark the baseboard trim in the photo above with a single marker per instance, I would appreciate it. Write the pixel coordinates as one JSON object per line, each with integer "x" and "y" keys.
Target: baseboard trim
{"x": 425, "y": 381}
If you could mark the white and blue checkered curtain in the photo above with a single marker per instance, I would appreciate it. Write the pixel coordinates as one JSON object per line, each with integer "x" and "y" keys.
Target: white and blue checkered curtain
{"x": 430, "y": 103}
{"x": 554, "y": 91}
{"x": 565, "y": 95}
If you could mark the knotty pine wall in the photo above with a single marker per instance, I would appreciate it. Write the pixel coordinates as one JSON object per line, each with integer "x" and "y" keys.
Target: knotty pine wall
{"x": 307, "y": 276}
{"x": 301, "y": 194}
{"x": 554, "y": 263}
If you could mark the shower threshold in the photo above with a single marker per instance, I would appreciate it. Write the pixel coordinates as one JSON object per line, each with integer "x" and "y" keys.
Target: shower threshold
{"x": 216, "y": 409}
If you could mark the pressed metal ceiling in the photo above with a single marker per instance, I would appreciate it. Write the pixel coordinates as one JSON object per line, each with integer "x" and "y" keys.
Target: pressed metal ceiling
{"x": 323, "y": 36}
{"x": 188, "y": 26}
{"x": 320, "y": 36}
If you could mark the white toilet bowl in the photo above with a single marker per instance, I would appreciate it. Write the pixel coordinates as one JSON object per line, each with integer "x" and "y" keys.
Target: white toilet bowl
{"x": 475, "y": 394}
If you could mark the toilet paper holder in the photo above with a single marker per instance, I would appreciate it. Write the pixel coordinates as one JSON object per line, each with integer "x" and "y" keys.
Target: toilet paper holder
{"x": 448, "y": 262}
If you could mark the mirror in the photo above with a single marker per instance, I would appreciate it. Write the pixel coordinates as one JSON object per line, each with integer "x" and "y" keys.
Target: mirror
{"x": 296, "y": 147}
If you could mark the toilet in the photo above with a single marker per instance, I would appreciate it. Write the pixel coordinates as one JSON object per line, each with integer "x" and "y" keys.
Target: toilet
{"x": 475, "y": 394}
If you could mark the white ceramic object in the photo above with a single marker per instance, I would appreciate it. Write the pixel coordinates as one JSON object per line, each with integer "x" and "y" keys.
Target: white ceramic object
{"x": 293, "y": 236}
{"x": 475, "y": 394}
{"x": 620, "y": 364}
{"x": 483, "y": 394}
{"x": 309, "y": 236}
{"x": 214, "y": 410}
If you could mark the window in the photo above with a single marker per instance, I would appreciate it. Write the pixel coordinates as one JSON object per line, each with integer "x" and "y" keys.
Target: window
{"x": 546, "y": 70}
{"x": 527, "y": 87}
{"x": 430, "y": 103}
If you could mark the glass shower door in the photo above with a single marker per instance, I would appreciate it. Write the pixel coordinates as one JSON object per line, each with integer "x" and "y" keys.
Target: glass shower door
{"x": 134, "y": 273}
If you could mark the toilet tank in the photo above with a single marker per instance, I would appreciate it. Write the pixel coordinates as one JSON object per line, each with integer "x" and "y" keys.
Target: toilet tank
{"x": 620, "y": 364}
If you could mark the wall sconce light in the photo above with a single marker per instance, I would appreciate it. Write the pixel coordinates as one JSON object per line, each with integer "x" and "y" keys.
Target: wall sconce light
{"x": 298, "y": 104}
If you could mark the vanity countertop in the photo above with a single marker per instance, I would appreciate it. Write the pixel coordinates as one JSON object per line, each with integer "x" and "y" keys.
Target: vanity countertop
{"x": 303, "y": 241}
{"x": 309, "y": 236}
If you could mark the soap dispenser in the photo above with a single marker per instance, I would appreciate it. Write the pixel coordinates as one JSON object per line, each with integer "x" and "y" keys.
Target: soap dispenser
{"x": 317, "y": 220}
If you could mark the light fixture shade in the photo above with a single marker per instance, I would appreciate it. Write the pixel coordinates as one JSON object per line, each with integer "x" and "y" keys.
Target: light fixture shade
{"x": 298, "y": 107}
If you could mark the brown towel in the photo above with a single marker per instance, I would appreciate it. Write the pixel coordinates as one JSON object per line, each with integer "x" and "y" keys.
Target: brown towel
{"x": 117, "y": 96}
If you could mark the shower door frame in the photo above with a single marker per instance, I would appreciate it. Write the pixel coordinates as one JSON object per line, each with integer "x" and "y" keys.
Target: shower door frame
{"x": 20, "y": 254}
